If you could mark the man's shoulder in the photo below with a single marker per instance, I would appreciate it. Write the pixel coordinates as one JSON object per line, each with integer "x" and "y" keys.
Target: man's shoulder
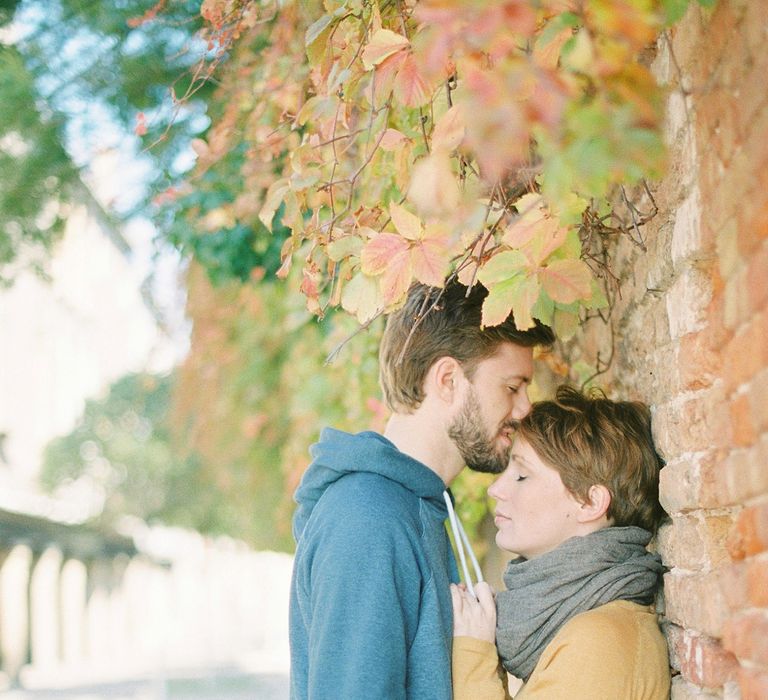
{"x": 369, "y": 491}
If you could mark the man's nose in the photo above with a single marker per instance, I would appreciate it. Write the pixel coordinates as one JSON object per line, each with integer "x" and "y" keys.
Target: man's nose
{"x": 522, "y": 406}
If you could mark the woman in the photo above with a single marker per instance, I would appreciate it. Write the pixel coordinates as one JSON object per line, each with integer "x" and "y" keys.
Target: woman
{"x": 578, "y": 504}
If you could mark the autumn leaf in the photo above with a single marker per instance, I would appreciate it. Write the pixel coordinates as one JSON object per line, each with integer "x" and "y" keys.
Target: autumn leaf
{"x": 274, "y": 197}
{"x": 449, "y": 130}
{"x": 383, "y": 44}
{"x": 392, "y": 139}
{"x": 384, "y": 77}
{"x": 566, "y": 281}
{"x": 407, "y": 224}
{"x": 378, "y": 253}
{"x": 361, "y": 297}
{"x": 502, "y": 266}
{"x": 516, "y": 295}
{"x": 411, "y": 88}
{"x": 433, "y": 187}
{"x": 396, "y": 278}
{"x": 432, "y": 255}
{"x": 344, "y": 247}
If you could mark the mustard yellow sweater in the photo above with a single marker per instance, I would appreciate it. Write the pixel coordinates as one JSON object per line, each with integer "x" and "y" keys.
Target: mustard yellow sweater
{"x": 614, "y": 652}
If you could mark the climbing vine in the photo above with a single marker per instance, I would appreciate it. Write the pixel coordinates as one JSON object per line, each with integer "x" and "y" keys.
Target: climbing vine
{"x": 387, "y": 141}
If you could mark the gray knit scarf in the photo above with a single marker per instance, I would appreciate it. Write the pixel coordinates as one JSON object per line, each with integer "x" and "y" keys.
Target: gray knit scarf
{"x": 581, "y": 574}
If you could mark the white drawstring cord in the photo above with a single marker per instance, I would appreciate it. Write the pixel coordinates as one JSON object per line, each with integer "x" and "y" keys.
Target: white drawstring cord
{"x": 462, "y": 541}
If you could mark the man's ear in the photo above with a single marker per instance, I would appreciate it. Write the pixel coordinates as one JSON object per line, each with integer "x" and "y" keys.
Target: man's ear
{"x": 443, "y": 378}
{"x": 596, "y": 506}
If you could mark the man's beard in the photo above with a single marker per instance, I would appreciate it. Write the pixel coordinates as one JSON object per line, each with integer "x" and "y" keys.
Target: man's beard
{"x": 479, "y": 451}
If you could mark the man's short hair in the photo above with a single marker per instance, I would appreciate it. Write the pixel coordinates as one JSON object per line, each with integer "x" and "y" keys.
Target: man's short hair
{"x": 590, "y": 440}
{"x": 437, "y": 323}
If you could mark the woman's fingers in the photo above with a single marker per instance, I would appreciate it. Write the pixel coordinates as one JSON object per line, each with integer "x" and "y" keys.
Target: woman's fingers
{"x": 485, "y": 596}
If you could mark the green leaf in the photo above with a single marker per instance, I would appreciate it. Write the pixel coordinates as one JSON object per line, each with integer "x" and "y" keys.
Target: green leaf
{"x": 565, "y": 324}
{"x": 502, "y": 266}
{"x": 675, "y": 9}
{"x": 344, "y": 247}
{"x": 544, "y": 308}
{"x": 518, "y": 295}
{"x": 316, "y": 29}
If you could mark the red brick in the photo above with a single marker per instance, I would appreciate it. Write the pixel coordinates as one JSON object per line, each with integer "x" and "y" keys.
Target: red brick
{"x": 734, "y": 583}
{"x": 693, "y": 424}
{"x": 753, "y": 683}
{"x": 699, "y": 364}
{"x": 696, "y": 601}
{"x": 750, "y": 536}
{"x": 737, "y": 303}
{"x": 755, "y": 27}
{"x": 744, "y": 355}
{"x": 757, "y": 582}
{"x": 745, "y": 584}
{"x": 752, "y": 218}
{"x": 680, "y": 486}
{"x": 757, "y": 278}
{"x": 704, "y": 661}
{"x": 695, "y": 542}
{"x": 758, "y": 401}
{"x": 744, "y": 433}
{"x": 743, "y": 474}
{"x": 746, "y": 636}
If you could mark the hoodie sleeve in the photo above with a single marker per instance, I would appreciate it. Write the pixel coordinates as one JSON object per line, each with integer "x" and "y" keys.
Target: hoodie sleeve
{"x": 363, "y": 583}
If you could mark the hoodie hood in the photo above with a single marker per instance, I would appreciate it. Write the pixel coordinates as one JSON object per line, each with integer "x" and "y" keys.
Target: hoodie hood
{"x": 339, "y": 453}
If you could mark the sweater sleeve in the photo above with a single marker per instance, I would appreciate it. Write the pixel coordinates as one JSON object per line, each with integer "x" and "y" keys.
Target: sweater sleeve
{"x": 476, "y": 671}
{"x": 363, "y": 591}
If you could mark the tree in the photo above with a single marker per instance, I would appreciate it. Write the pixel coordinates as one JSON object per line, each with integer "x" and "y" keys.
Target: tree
{"x": 72, "y": 75}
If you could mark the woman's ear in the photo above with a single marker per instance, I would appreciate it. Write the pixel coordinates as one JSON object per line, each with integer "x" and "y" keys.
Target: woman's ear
{"x": 443, "y": 378}
{"x": 596, "y": 506}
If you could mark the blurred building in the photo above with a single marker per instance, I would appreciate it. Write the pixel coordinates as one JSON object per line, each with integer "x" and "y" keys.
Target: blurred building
{"x": 80, "y": 604}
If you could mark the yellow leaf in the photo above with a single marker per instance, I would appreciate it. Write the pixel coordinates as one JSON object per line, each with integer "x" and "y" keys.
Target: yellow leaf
{"x": 581, "y": 58}
{"x": 434, "y": 189}
{"x": 383, "y": 44}
{"x": 272, "y": 201}
{"x": 449, "y": 130}
{"x": 407, "y": 224}
{"x": 361, "y": 297}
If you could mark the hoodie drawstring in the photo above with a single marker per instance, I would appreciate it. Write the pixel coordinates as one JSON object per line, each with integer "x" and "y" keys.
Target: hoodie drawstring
{"x": 462, "y": 541}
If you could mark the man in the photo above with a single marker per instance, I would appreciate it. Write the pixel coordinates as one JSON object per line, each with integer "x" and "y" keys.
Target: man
{"x": 370, "y": 613}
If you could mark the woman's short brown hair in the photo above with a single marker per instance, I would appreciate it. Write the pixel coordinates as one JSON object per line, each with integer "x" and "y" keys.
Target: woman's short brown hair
{"x": 590, "y": 440}
{"x": 437, "y": 323}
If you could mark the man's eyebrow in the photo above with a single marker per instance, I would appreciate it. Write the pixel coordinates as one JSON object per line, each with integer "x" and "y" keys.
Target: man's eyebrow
{"x": 521, "y": 377}
{"x": 514, "y": 457}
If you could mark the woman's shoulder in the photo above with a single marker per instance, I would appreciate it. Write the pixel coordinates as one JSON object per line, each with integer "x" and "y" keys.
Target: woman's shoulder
{"x": 615, "y": 650}
{"x": 618, "y": 626}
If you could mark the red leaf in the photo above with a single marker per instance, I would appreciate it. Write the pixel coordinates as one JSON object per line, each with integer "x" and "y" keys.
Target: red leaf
{"x": 566, "y": 281}
{"x": 383, "y": 44}
{"x": 379, "y": 253}
{"x": 411, "y": 88}
{"x": 430, "y": 260}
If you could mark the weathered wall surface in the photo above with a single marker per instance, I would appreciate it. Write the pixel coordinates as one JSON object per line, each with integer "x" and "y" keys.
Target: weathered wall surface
{"x": 690, "y": 337}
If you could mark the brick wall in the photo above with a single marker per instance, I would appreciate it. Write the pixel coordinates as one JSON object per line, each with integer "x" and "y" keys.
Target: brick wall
{"x": 690, "y": 335}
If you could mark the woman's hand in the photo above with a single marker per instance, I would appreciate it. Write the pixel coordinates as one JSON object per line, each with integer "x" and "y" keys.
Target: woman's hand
{"x": 474, "y": 618}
